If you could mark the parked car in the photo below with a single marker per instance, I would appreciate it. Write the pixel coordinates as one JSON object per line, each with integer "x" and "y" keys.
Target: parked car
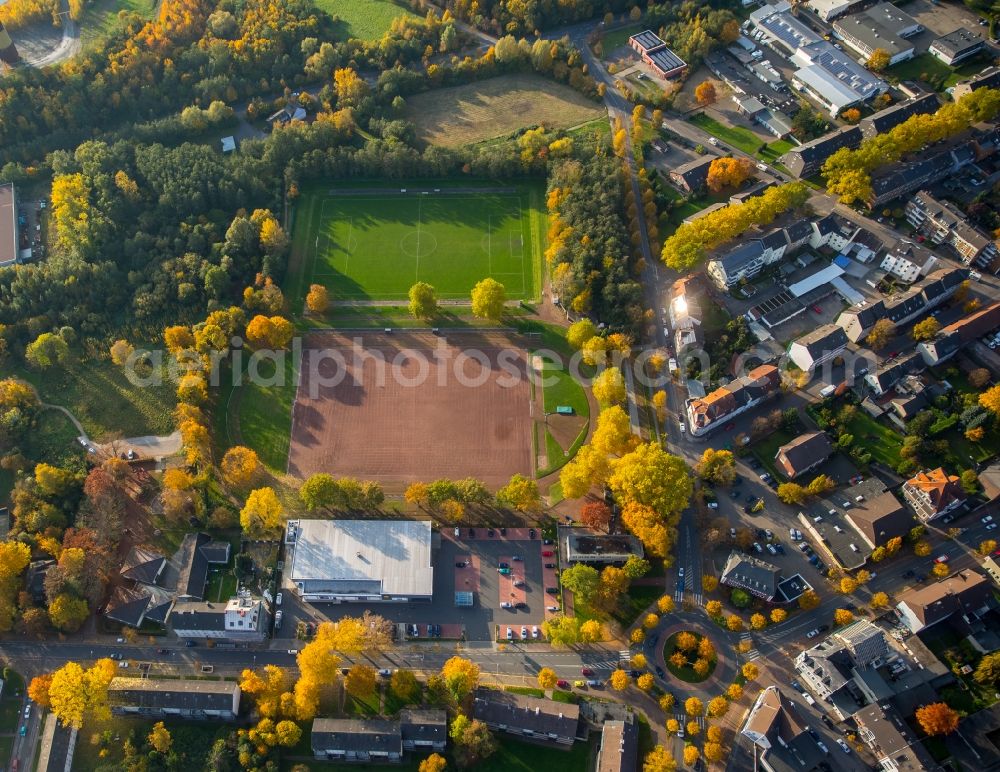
{"x": 843, "y": 745}
{"x": 517, "y": 557}
{"x": 506, "y": 604}
{"x": 524, "y": 632}
{"x": 813, "y": 633}
{"x": 552, "y": 590}
{"x": 757, "y": 547}
{"x": 586, "y": 671}
{"x": 988, "y": 519}
{"x": 550, "y": 565}
{"x": 547, "y": 553}
{"x": 534, "y": 631}
{"x": 510, "y": 634}
{"x": 385, "y": 672}
{"x": 277, "y": 599}
{"x": 504, "y": 571}
{"x": 941, "y": 559}
{"x": 562, "y": 684}
{"x": 503, "y": 564}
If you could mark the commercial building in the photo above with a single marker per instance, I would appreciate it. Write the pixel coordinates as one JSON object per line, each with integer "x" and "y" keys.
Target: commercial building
{"x": 536, "y": 719}
{"x": 150, "y": 697}
{"x": 619, "y": 746}
{"x": 908, "y": 261}
{"x": 817, "y": 347}
{"x": 902, "y": 307}
{"x": 774, "y": 121}
{"x": 807, "y": 159}
{"x": 781, "y": 736}
{"x": 241, "y": 618}
{"x": 966, "y": 594}
{"x": 881, "y": 27}
{"x": 830, "y": 669}
{"x": 361, "y": 561}
{"x": 877, "y": 517}
{"x": 757, "y": 577}
{"x": 9, "y": 236}
{"x": 691, "y": 177}
{"x": 803, "y": 454}
{"x": 741, "y": 394}
{"x": 655, "y": 53}
{"x": 951, "y": 338}
{"x": 581, "y": 545}
{"x": 941, "y": 223}
{"x": 933, "y": 493}
{"x": 957, "y": 46}
{"x": 891, "y": 117}
{"x": 754, "y": 252}
{"x": 828, "y": 10}
{"x": 832, "y": 79}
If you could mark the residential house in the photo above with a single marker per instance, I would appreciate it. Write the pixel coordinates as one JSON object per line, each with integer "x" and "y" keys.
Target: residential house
{"x": 424, "y": 729}
{"x": 957, "y": 46}
{"x": 892, "y": 116}
{"x": 781, "y": 735}
{"x": 817, "y": 347}
{"x": 756, "y": 576}
{"x": 684, "y": 313}
{"x": 619, "y": 746}
{"x": 34, "y": 579}
{"x": 828, "y": 10}
{"x": 830, "y": 668}
{"x": 902, "y": 307}
{"x": 741, "y": 394}
{"x": 966, "y": 594}
{"x": 136, "y": 605}
{"x": 894, "y": 744}
{"x": 941, "y": 223}
{"x": 877, "y": 515}
{"x": 241, "y": 618}
{"x": 287, "y": 114}
{"x": 844, "y": 236}
{"x": 197, "y": 553}
{"x": 691, "y": 177}
{"x": 933, "y": 493}
{"x": 745, "y": 260}
{"x": 951, "y": 338}
{"x": 184, "y": 698}
{"x": 988, "y": 78}
{"x": 539, "y": 720}
{"x": 655, "y": 53}
{"x": 9, "y": 235}
{"x": 366, "y": 741}
{"x": 908, "y": 261}
{"x": 881, "y": 27}
{"x": 143, "y": 565}
{"x": 889, "y": 374}
{"x": 897, "y": 180}
{"x": 804, "y": 453}
{"x": 58, "y": 746}
{"x": 753, "y": 191}
{"x": 807, "y": 159}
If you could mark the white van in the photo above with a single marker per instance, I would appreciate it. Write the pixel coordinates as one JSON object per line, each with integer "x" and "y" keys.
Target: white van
{"x": 827, "y": 391}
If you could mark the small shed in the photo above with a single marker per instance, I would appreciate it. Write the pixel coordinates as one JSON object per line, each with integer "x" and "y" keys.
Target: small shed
{"x": 228, "y": 144}
{"x": 464, "y": 599}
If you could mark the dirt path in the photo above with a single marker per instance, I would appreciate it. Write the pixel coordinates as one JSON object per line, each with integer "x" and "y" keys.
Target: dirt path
{"x": 37, "y": 49}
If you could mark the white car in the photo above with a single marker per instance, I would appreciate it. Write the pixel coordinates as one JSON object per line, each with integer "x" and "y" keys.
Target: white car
{"x": 506, "y": 604}
{"x": 524, "y": 633}
{"x": 991, "y": 526}
{"x": 552, "y": 608}
{"x": 123, "y": 664}
{"x": 713, "y": 505}
{"x": 277, "y": 599}
{"x": 813, "y": 633}
{"x": 843, "y": 745}
{"x": 510, "y": 634}
{"x": 681, "y": 426}
{"x": 988, "y": 519}
{"x": 534, "y": 631}
{"x": 713, "y": 141}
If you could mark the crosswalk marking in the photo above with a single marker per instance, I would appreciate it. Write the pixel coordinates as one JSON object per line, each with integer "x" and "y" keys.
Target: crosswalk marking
{"x": 625, "y": 654}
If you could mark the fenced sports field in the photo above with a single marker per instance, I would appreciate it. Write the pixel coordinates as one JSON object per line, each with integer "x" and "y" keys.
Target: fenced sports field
{"x": 373, "y": 242}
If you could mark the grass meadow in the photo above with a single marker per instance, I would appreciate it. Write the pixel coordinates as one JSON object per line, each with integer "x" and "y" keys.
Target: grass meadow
{"x": 364, "y": 19}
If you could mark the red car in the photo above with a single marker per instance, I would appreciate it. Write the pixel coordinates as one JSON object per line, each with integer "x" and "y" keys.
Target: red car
{"x": 547, "y": 554}
{"x": 817, "y": 309}
{"x": 562, "y": 684}
{"x": 586, "y": 671}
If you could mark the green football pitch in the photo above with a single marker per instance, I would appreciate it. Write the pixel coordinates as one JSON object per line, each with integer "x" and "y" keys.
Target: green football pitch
{"x": 375, "y": 243}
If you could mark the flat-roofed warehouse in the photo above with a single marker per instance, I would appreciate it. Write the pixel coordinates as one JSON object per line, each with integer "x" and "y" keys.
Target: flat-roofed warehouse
{"x": 360, "y": 561}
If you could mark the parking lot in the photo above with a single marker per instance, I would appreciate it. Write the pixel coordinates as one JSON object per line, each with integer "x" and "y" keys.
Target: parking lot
{"x": 468, "y": 562}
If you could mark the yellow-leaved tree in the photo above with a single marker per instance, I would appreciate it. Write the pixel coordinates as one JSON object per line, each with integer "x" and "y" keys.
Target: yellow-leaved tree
{"x": 262, "y": 513}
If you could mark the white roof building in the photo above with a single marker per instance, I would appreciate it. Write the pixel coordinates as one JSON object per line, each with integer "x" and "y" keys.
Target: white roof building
{"x": 830, "y": 9}
{"x": 360, "y": 560}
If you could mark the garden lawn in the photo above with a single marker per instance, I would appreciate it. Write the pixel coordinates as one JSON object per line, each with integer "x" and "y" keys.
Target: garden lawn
{"x": 260, "y": 417}
{"x": 766, "y": 448}
{"x": 192, "y": 740}
{"x": 364, "y": 19}
{"x": 636, "y": 601}
{"x": 100, "y": 17}
{"x": 617, "y": 38}
{"x": 496, "y": 107}
{"x": 938, "y": 73}
{"x": 53, "y": 440}
{"x": 881, "y": 441}
{"x": 362, "y": 706}
{"x": 737, "y": 136}
{"x": 102, "y": 398}
{"x": 514, "y": 756}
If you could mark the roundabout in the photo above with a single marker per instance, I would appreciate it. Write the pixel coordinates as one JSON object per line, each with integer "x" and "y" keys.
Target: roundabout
{"x": 690, "y": 656}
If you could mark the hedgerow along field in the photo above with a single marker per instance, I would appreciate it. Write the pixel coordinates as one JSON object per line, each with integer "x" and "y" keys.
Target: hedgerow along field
{"x": 374, "y": 242}
{"x": 474, "y": 112}
{"x": 364, "y": 19}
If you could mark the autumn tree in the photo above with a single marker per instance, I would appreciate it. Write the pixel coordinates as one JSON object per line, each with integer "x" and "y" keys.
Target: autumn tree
{"x": 808, "y": 600}
{"x": 734, "y": 692}
{"x": 792, "y": 493}
{"x": 728, "y": 172}
{"x": 405, "y": 686}
{"x": 460, "y": 676}
{"x": 521, "y": 493}
{"x": 274, "y": 332}
{"x": 613, "y": 434}
{"x": 473, "y": 741}
{"x": 879, "y": 600}
{"x": 360, "y": 680}
{"x": 239, "y": 466}
{"x": 717, "y": 466}
{"x": 988, "y": 670}
{"x": 940, "y": 570}
{"x": 652, "y": 477}
{"x": 349, "y": 87}
{"x": 880, "y": 334}
{"x": 318, "y": 299}
{"x": 609, "y": 387}
{"x": 68, "y": 613}
{"x": 842, "y": 616}
{"x": 38, "y": 689}
{"x": 979, "y": 377}
{"x": 580, "y": 332}
{"x": 488, "y": 299}
{"x": 749, "y": 671}
{"x": 718, "y": 707}
{"x": 665, "y": 604}
{"x": 937, "y": 719}
{"x": 433, "y": 763}
{"x": 878, "y": 60}
{"x": 582, "y": 580}
{"x": 596, "y": 515}
{"x": 423, "y": 301}
{"x": 75, "y": 693}
{"x": 659, "y": 760}
{"x": 926, "y": 329}
{"x": 562, "y": 630}
{"x": 547, "y": 678}
{"x": 262, "y": 513}
{"x": 778, "y": 615}
{"x": 120, "y": 352}
{"x": 705, "y": 93}
{"x": 847, "y": 586}
{"x": 159, "y": 738}
{"x": 694, "y": 707}
{"x": 619, "y": 680}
